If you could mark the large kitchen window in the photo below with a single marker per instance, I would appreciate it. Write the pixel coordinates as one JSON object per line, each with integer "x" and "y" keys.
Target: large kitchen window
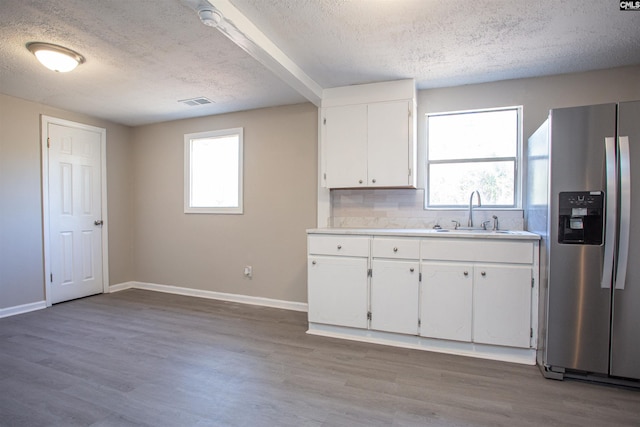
{"x": 213, "y": 172}
{"x": 473, "y": 150}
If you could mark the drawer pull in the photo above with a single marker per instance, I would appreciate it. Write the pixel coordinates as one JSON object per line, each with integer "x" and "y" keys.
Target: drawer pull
{"x": 313, "y": 262}
{"x": 484, "y": 273}
{"x": 395, "y": 249}
{"x": 360, "y": 182}
{"x": 339, "y": 247}
{"x": 466, "y": 273}
{"x": 411, "y": 270}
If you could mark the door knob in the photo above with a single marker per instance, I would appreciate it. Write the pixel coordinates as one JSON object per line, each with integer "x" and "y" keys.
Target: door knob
{"x": 97, "y": 222}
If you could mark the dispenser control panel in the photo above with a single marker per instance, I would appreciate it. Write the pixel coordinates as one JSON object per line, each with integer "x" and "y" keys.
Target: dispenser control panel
{"x": 581, "y": 217}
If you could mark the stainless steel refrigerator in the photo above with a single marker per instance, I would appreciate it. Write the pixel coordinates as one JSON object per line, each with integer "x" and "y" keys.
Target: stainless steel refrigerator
{"x": 583, "y": 198}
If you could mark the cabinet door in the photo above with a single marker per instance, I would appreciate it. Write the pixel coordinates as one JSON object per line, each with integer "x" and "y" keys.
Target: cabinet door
{"x": 388, "y": 144}
{"x": 394, "y": 296}
{"x": 502, "y": 305}
{"x": 345, "y": 146}
{"x": 337, "y": 290}
{"x": 446, "y": 301}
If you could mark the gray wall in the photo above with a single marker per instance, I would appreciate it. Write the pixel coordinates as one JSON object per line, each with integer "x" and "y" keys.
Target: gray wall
{"x": 21, "y": 244}
{"x": 207, "y": 251}
{"x": 152, "y": 240}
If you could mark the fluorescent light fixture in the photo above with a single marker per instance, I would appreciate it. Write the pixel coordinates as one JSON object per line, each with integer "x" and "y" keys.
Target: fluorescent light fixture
{"x": 54, "y": 57}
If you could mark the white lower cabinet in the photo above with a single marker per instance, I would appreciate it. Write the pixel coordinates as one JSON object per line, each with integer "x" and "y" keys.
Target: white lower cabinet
{"x": 337, "y": 290}
{"x": 446, "y": 300}
{"x": 337, "y": 280}
{"x": 502, "y": 305}
{"x": 476, "y": 295}
{"x": 480, "y": 303}
{"x": 394, "y": 296}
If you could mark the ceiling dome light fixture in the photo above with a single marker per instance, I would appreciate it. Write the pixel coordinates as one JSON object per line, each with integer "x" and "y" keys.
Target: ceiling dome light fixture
{"x": 54, "y": 57}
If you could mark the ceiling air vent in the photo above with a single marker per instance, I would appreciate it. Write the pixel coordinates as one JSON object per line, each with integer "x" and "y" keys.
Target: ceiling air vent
{"x": 194, "y": 102}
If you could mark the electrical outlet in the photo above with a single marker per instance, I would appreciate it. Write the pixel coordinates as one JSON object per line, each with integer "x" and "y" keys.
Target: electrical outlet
{"x": 248, "y": 271}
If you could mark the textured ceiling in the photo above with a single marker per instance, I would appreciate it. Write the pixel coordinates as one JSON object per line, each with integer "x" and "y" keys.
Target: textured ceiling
{"x": 145, "y": 55}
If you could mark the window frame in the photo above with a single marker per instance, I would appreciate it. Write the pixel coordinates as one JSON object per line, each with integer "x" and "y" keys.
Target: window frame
{"x": 188, "y": 143}
{"x": 517, "y": 173}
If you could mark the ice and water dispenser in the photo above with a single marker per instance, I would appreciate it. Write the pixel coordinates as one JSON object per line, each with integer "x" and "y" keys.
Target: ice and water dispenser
{"x": 581, "y": 217}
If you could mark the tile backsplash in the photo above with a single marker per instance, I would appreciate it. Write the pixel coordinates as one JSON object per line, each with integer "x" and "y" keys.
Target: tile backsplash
{"x": 404, "y": 208}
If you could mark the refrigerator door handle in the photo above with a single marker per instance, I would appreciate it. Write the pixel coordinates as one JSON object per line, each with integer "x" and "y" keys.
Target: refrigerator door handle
{"x": 625, "y": 211}
{"x": 610, "y": 213}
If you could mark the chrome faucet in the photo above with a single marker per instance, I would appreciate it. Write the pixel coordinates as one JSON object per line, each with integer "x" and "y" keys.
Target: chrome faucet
{"x": 470, "y": 222}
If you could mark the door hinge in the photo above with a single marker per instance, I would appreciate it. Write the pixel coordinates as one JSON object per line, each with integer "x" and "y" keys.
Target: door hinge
{"x": 48, "y": 142}
{"x": 325, "y": 176}
{"x": 370, "y": 272}
{"x": 530, "y": 332}
{"x": 368, "y": 315}
{"x": 409, "y": 171}
{"x": 532, "y": 282}
{"x": 51, "y": 277}
{"x": 419, "y": 322}
{"x": 324, "y": 121}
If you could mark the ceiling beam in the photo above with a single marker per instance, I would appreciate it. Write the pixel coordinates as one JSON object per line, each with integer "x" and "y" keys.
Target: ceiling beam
{"x": 239, "y": 29}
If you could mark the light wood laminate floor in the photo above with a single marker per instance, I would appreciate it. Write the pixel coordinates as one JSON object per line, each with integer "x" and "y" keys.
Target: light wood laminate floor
{"x": 141, "y": 358}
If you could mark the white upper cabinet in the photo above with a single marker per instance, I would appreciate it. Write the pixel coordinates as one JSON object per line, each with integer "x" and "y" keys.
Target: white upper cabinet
{"x": 345, "y": 131}
{"x": 368, "y": 136}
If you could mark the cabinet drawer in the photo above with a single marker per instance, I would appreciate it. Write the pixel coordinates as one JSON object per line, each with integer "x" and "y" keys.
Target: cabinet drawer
{"x": 395, "y": 248}
{"x": 477, "y": 250}
{"x": 339, "y": 245}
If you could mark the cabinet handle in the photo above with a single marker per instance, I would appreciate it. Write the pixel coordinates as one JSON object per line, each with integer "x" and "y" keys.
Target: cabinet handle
{"x": 395, "y": 249}
{"x": 313, "y": 262}
{"x": 360, "y": 182}
{"x": 411, "y": 269}
{"x": 484, "y": 273}
{"x": 339, "y": 247}
{"x": 466, "y": 273}
{"x": 373, "y": 180}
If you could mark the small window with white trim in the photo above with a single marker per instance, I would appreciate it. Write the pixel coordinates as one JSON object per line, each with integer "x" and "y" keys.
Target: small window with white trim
{"x": 473, "y": 150}
{"x": 213, "y": 172}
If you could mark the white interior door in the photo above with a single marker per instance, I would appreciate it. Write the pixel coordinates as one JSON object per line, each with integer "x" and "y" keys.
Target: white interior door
{"x": 74, "y": 254}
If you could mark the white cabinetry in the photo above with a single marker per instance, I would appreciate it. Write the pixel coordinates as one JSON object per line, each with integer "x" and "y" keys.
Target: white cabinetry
{"x": 395, "y": 285}
{"x": 446, "y": 300}
{"x": 472, "y": 296}
{"x": 484, "y": 298}
{"x": 337, "y": 280}
{"x": 368, "y": 145}
{"x": 502, "y": 305}
{"x": 367, "y": 136}
{"x": 345, "y": 146}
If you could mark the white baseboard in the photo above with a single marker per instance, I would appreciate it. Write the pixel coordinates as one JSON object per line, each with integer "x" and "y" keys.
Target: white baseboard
{"x": 244, "y": 299}
{"x": 20, "y": 309}
{"x": 524, "y": 356}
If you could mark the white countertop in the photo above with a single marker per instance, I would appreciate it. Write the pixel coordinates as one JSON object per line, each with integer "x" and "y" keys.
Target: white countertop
{"x": 427, "y": 232}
